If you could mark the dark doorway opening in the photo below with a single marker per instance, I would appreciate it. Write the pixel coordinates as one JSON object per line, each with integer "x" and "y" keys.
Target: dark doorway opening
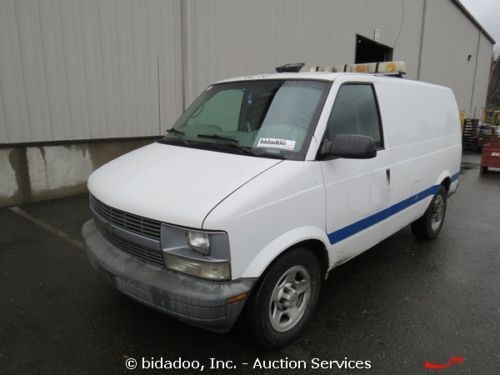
{"x": 369, "y": 51}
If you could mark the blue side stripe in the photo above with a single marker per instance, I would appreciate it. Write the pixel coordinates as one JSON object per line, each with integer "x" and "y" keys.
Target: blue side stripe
{"x": 362, "y": 224}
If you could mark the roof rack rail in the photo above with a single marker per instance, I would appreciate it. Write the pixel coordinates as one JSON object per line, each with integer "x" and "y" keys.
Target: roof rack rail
{"x": 391, "y": 68}
{"x": 294, "y": 68}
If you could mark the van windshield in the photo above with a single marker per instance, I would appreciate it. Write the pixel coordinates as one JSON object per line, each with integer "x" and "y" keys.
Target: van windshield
{"x": 269, "y": 118}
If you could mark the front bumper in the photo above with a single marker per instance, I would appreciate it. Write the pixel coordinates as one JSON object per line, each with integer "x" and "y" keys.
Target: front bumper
{"x": 197, "y": 302}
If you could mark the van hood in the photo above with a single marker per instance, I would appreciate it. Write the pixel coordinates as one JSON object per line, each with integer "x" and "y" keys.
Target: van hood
{"x": 173, "y": 184}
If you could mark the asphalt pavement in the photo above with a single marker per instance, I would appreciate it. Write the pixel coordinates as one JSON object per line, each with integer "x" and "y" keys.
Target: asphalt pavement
{"x": 400, "y": 304}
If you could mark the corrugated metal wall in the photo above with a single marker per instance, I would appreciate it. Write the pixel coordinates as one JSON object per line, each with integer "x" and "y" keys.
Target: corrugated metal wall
{"x": 482, "y": 77}
{"x": 228, "y": 37}
{"x": 87, "y": 69}
{"x": 449, "y": 38}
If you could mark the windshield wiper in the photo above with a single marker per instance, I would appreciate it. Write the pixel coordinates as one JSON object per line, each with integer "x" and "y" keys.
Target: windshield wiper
{"x": 179, "y": 134}
{"x": 216, "y": 136}
{"x": 175, "y": 131}
{"x": 230, "y": 142}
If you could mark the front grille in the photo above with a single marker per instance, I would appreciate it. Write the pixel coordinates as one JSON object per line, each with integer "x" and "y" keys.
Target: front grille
{"x": 133, "y": 223}
{"x": 144, "y": 253}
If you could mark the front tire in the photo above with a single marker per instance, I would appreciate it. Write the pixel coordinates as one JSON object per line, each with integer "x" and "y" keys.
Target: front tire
{"x": 430, "y": 224}
{"x": 285, "y": 299}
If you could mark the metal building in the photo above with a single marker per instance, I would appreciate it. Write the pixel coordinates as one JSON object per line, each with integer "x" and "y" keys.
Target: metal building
{"x": 82, "y": 81}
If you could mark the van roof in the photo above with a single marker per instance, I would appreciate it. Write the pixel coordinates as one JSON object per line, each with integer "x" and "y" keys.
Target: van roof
{"x": 324, "y": 76}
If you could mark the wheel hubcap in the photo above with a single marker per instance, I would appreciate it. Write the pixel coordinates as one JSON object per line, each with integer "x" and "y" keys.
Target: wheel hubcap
{"x": 437, "y": 213}
{"x": 289, "y": 299}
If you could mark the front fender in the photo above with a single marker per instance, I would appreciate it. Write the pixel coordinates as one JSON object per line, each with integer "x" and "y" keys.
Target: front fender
{"x": 279, "y": 245}
{"x": 277, "y": 209}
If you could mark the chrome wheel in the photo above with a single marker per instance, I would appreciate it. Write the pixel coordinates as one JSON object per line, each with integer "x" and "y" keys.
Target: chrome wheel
{"x": 437, "y": 212}
{"x": 289, "y": 299}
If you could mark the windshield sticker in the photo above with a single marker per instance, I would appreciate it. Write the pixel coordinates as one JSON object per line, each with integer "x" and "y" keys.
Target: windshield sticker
{"x": 285, "y": 144}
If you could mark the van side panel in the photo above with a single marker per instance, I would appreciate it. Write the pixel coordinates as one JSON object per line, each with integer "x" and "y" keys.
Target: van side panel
{"x": 422, "y": 125}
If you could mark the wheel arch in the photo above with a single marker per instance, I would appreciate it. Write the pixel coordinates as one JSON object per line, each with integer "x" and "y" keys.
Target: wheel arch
{"x": 319, "y": 250}
{"x": 316, "y": 243}
{"x": 444, "y": 179}
{"x": 446, "y": 183}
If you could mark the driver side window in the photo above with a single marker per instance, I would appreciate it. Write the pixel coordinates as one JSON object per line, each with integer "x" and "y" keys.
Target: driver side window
{"x": 355, "y": 111}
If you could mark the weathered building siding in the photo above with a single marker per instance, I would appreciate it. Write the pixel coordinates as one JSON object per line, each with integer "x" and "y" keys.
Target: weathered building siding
{"x": 90, "y": 69}
{"x": 87, "y": 70}
{"x": 228, "y": 38}
{"x": 482, "y": 77}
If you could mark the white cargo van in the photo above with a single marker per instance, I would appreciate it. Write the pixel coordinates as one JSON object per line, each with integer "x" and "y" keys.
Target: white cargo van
{"x": 264, "y": 185}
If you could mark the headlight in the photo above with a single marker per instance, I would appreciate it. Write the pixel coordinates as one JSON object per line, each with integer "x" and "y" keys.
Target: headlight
{"x": 195, "y": 252}
{"x": 196, "y": 267}
{"x": 199, "y": 241}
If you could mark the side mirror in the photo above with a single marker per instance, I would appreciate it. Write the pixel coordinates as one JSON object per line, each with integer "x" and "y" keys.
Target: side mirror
{"x": 349, "y": 146}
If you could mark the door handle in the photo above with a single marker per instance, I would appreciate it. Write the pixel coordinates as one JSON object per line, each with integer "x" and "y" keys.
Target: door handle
{"x": 388, "y": 175}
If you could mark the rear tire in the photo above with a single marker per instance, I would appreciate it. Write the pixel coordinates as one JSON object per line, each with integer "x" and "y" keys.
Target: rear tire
{"x": 430, "y": 224}
{"x": 484, "y": 169}
{"x": 285, "y": 298}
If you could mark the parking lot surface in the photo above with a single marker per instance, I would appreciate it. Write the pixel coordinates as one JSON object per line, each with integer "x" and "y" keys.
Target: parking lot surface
{"x": 398, "y": 305}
